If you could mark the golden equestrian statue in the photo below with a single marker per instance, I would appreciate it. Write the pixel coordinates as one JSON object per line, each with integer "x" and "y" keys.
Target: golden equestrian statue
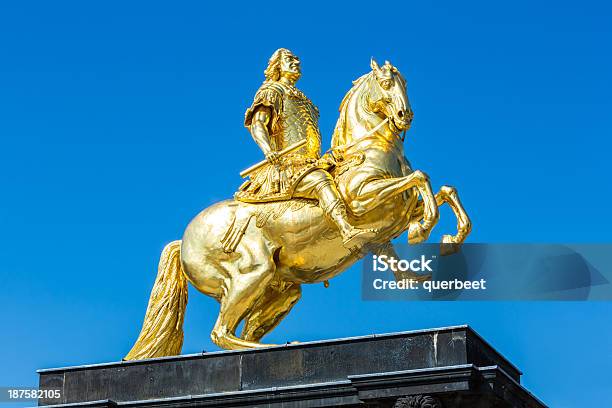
{"x": 301, "y": 217}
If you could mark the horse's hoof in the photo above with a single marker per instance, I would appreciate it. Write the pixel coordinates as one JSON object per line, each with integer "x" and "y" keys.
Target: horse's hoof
{"x": 448, "y": 246}
{"x": 416, "y": 233}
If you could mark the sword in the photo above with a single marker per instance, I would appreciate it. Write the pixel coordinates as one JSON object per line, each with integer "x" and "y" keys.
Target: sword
{"x": 283, "y": 152}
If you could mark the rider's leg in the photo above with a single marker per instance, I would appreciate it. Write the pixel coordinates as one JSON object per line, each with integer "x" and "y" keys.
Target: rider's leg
{"x": 268, "y": 312}
{"x": 319, "y": 185}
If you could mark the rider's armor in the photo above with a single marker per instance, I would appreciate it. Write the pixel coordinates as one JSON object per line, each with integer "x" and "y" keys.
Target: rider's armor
{"x": 293, "y": 118}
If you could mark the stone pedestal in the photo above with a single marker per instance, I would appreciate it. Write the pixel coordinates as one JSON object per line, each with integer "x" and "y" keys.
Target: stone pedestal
{"x": 447, "y": 367}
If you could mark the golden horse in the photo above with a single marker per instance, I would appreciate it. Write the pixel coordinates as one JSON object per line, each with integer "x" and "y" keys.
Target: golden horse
{"x": 281, "y": 245}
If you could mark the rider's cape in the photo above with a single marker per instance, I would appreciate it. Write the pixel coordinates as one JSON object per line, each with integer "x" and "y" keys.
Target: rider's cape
{"x": 294, "y": 118}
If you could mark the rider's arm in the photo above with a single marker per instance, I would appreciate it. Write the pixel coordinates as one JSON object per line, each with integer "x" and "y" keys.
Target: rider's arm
{"x": 259, "y": 131}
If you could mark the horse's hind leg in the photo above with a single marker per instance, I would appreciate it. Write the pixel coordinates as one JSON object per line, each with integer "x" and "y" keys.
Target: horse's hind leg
{"x": 271, "y": 308}
{"x": 243, "y": 290}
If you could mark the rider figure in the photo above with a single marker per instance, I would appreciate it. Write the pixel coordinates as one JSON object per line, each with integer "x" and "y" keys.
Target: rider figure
{"x": 280, "y": 116}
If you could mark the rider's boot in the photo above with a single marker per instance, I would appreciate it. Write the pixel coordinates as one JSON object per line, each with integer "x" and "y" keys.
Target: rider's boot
{"x": 334, "y": 208}
{"x": 352, "y": 237}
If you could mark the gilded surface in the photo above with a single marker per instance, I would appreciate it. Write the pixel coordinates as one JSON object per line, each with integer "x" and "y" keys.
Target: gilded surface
{"x": 300, "y": 218}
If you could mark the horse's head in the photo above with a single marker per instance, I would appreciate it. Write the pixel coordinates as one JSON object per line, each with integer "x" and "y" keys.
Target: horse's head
{"x": 387, "y": 96}
{"x": 376, "y": 98}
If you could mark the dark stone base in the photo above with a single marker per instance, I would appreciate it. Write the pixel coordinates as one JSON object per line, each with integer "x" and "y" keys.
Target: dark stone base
{"x": 449, "y": 367}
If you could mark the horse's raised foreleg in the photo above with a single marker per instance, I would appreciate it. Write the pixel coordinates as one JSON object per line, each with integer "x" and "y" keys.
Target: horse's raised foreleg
{"x": 448, "y": 195}
{"x": 271, "y": 308}
{"x": 367, "y": 194}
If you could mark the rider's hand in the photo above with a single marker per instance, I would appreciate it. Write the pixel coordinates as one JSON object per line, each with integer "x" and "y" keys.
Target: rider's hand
{"x": 272, "y": 157}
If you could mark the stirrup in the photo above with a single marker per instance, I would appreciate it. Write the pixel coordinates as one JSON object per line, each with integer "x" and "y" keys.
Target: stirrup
{"x": 358, "y": 237}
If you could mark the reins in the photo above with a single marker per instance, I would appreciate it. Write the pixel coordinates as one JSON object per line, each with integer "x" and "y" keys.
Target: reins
{"x": 365, "y": 137}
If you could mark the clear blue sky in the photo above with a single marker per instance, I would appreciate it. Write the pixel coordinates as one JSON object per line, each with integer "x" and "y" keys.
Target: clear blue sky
{"x": 120, "y": 121}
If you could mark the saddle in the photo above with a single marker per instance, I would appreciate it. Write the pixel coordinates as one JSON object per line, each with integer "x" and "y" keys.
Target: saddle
{"x": 262, "y": 212}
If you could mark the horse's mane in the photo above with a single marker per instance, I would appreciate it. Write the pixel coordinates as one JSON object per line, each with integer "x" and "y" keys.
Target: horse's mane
{"x": 339, "y": 130}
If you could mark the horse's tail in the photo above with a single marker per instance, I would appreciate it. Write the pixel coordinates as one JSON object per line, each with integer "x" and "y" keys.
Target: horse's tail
{"x": 162, "y": 330}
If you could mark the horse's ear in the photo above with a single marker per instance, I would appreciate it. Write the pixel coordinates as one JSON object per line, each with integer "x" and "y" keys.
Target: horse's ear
{"x": 374, "y": 65}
